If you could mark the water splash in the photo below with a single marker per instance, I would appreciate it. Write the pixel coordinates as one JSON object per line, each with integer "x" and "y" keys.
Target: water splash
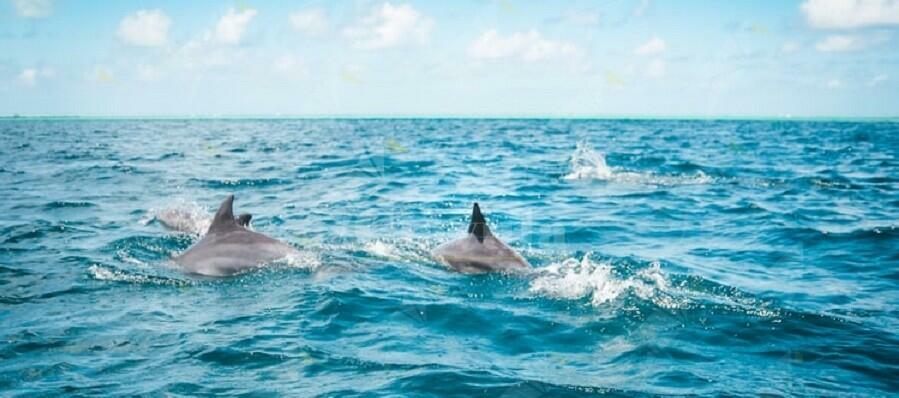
{"x": 589, "y": 164}
{"x": 189, "y": 218}
{"x": 572, "y": 280}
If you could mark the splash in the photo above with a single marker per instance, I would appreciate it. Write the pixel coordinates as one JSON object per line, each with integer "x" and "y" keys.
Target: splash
{"x": 572, "y": 279}
{"x": 189, "y": 218}
{"x": 382, "y": 249}
{"x": 589, "y": 164}
{"x": 302, "y": 259}
{"x": 105, "y": 274}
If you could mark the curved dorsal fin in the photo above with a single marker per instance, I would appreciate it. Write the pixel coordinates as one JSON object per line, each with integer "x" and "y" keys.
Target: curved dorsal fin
{"x": 244, "y": 219}
{"x": 224, "y": 217}
{"x": 478, "y": 225}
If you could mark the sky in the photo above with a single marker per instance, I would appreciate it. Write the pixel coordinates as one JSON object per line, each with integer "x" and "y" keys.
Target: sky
{"x": 485, "y": 58}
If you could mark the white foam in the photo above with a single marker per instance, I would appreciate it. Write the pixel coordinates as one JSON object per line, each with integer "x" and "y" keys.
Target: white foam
{"x": 572, "y": 279}
{"x": 303, "y": 259}
{"x": 382, "y": 249}
{"x": 186, "y": 217}
{"x": 105, "y": 274}
{"x": 589, "y": 164}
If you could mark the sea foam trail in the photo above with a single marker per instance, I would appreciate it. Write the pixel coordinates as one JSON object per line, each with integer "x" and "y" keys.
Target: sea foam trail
{"x": 589, "y": 164}
{"x": 574, "y": 279}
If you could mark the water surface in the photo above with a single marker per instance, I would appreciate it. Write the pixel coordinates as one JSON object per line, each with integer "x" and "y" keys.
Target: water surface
{"x": 671, "y": 257}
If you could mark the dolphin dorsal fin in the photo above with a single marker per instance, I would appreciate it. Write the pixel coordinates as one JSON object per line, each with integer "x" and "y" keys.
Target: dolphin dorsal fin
{"x": 478, "y": 225}
{"x": 244, "y": 219}
{"x": 224, "y": 217}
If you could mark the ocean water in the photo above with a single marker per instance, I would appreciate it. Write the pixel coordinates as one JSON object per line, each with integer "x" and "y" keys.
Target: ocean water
{"x": 737, "y": 258}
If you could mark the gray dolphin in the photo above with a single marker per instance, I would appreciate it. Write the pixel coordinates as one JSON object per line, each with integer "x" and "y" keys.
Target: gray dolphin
{"x": 479, "y": 251}
{"x": 228, "y": 247}
{"x": 181, "y": 220}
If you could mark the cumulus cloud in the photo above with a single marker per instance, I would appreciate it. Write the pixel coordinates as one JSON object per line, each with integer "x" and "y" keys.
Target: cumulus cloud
{"x": 145, "y": 28}
{"x": 232, "y": 27}
{"x": 390, "y": 26}
{"x": 530, "y": 47}
{"x": 838, "y": 43}
{"x": 33, "y": 8}
{"x": 30, "y": 76}
{"x": 653, "y": 46}
{"x": 310, "y": 22}
{"x": 847, "y": 14}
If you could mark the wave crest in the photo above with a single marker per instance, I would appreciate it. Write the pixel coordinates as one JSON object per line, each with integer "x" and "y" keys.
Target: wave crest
{"x": 572, "y": 279}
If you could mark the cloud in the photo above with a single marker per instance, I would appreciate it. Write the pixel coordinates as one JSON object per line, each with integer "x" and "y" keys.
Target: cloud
{"x": 789, "y": 47}
{"x": 30, "y": 76}
{"x": 656, "y": 68}
{"x": 838, "y": 43}
{"x": 290, "y": 66}
{"x": 530, "y": 47}
{"x": 877, "y": 80}
{"x": 847, "y": 14}
{"x": 145, "y": 28}
{"x": 655, "y": 45}
{"x": 641, "y": 8}
{"x": 33, "y": 8}
{"x": 390, "y": 26}
{"x": 834, "y": 83}
{"x": 232, "y": 26}
{"x": 310, "y": 22}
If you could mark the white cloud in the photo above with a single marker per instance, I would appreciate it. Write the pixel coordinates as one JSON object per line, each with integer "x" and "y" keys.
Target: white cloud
{"x": 310, "y": 22}
{"x": 877, "y": 80}
{"x": 655, "y": 45}
{"x": 30, "y": 76}
{"x": 390, "y": 26}
{"x": 843, "y": 14}
{"x": 530, "y": 47}
{"x": 148, "y": 73}
{"x": 641, "y": 8}
{"x": 33, "y": 8}
{"x": 290, "y": 66}
{"x": 145, "y": 28}
{"x": 838, "y": 43}
{"x": 834, "y": 83}
{"x": 656, "y": 68}
{"x": 232, "y": 26}
{"x": 789, "y": 47}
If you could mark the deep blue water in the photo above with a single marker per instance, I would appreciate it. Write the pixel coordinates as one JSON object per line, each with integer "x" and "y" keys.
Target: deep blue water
{"x": 671, "y": 257}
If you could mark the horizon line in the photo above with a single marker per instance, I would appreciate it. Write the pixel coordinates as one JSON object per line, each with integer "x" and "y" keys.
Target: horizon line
{"x": 276, "y": 116}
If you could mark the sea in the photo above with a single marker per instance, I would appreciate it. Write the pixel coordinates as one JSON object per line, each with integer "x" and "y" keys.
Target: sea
{"x": 670, "y": 258}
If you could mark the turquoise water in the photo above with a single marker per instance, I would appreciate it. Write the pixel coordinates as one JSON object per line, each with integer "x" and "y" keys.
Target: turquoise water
{"x": 671, "y": 257}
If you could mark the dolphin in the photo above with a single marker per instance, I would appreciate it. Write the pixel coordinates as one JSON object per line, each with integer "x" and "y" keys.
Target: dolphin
{"x": 479, "y": 251}
{"x": 229, "y": 247}
{"x": 188, "y": 222}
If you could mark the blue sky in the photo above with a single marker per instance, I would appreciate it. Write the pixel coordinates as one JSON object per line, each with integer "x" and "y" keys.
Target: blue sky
{"x": 809, "y": 58}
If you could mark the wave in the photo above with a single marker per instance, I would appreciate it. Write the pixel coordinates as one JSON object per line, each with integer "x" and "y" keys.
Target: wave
{"x": 589, "y": 164}
{"x": 574, "y": 279}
